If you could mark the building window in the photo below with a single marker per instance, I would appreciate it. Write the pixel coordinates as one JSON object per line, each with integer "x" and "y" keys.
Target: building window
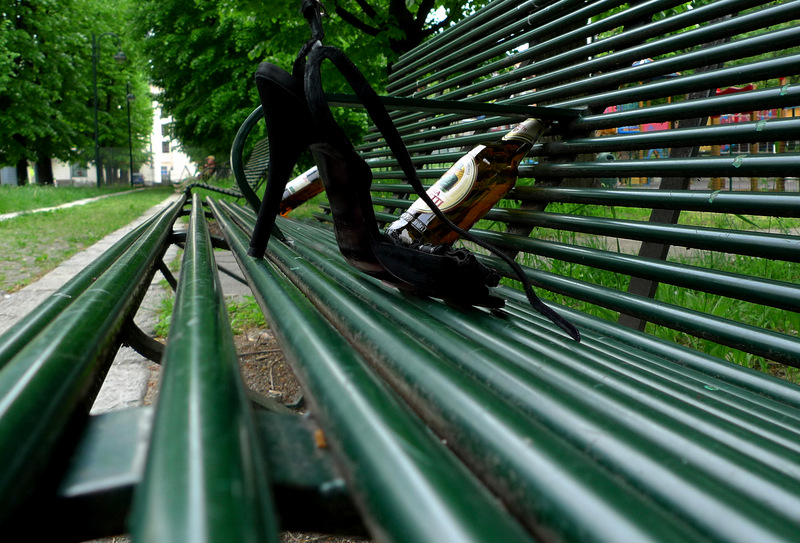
{"x": 165, "y": 146}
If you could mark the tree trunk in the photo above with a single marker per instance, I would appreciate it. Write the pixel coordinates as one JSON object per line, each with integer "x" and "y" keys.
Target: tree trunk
{"x": 44, "y": 167}
{"x": 22, "y": 172}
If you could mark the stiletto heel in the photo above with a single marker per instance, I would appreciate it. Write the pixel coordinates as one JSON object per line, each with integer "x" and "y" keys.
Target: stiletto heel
{"x": 287, "y": 118}
{"x": 454, "y": 275}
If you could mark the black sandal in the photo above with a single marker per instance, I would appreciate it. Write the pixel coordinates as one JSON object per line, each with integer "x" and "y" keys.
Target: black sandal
{"x": 298, "y": 117}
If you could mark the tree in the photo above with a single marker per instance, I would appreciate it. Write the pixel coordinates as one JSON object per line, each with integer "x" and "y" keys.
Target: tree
{"x": 205, "y": 53}
{"x": 46, "y": 94}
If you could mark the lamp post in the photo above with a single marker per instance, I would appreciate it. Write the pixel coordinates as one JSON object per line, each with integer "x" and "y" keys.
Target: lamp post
{"x": 130, "y": 98}
{"x": 119, "y": 57}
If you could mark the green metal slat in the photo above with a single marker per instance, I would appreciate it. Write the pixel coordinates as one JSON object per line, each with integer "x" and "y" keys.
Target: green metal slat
{"x": 539, "y": 69}
{"x": 484, "y": 357}
{"x": 747, "y": 132}
{"x": 411, "y": 488}
{"x": 756, "y": 382}
{"x": 556, "y": 19}
{"x": 766, "y": 343}
{"x": 724, "y": 77}
{"x": 550, "y": 480}
{"x": 770, "y": 204}
{"x": 237, "y": 160}
{"x": 623, "y": 48}
{"x": 432, "y": 105}
{"x": 740, "y": 102}
{"x": 497, "y": 13}
{"x": 778, "y": 40}
{"x": 205, "y": 478}
{"x": 746, "y": 393}
{"x": 783, "y": 165}
{"x": 477, "y": 324}
{"x": 758, "y": 244}
{"x": 325, "y": 242}
{"x": 46, "y": 386}
{"x": 23, "y": 332}
{"x": 741, "y": 287}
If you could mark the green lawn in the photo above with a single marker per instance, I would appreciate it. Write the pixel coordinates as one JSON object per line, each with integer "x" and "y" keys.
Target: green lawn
{"x": 30, "y": 197}
{"x": 33, "y": 244}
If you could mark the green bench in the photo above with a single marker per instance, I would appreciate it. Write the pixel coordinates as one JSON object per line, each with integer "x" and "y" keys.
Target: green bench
{"x": 463, "y": 424}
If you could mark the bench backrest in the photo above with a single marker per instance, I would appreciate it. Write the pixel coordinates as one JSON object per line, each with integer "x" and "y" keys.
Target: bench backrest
{"x": 694, "y": 102}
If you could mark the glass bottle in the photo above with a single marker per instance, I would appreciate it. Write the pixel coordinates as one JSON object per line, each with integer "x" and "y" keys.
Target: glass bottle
{"x": 300, "y": 189}
{"x": 469, "y": 189}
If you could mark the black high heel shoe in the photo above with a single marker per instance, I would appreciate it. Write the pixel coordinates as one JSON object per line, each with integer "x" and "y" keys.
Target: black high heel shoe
{"x": 451, "y": 274}
{"x": 298, "y": 117}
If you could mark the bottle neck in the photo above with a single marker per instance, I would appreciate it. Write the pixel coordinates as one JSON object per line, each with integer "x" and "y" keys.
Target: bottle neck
{"x": 528, "y": 131}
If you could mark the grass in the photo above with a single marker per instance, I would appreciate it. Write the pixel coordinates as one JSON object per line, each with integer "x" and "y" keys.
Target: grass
{"x": 749, "y": 313}
{"x": 31, "y": 197}
{"x": 33, "y": 244}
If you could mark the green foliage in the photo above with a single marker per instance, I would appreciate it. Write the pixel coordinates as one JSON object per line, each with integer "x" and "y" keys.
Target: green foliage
{"x": 245, "y": 314}
{"x": 46, "y": 80}
{"x": 205, "y": 53}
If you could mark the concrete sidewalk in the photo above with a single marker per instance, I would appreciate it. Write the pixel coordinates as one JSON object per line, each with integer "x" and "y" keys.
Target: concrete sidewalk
{"x": 131, "y": 374}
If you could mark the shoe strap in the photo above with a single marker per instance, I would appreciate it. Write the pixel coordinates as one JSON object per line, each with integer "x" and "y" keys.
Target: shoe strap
{"x": 323, "y": 118}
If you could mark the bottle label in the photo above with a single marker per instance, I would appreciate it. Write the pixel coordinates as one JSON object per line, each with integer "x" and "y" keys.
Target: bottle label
{"x": 301, "y": 181}
{"x": 527, "y": 131}
{"x": 453, "y": 186}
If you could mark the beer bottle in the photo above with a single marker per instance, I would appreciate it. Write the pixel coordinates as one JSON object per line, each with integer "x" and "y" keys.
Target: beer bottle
{"x": 469, "y": 189}
{"x": 303, "y": 187}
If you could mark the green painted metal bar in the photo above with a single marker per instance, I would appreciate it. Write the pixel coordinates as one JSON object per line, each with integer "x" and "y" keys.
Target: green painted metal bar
{"x": 778, "y": 294}
{"x": 496, "y": 13}
{"x": 724, "y": 77}
{"x": 758, "y": 244}
{"x": 205, "y": 478}
{"x": 323, "y": 242}
{"x": 409, "y": 486}
{"x": 741, "y": 102}
{"x": 748, "y": 132}
{"x": 237, "y": 160}
{"x": 779, "y": 40}
{"x": 742, "y": 388}
{"x": 759, "y": 383}
{"x": 624, "y": 48}
{"x": 783, "y": 165}
{"x": 769, "y": 204}
{"x": 468, "y": 85}
{"x": 484, "y": 358}
{"x": 45, "y": 388}
{"x": 23, "y": 332}
{"x": 771, "y": 345}
{"x": 552, "y": 486}
{"x": 432, "y": 105}
{"x": 516, "y": 33}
